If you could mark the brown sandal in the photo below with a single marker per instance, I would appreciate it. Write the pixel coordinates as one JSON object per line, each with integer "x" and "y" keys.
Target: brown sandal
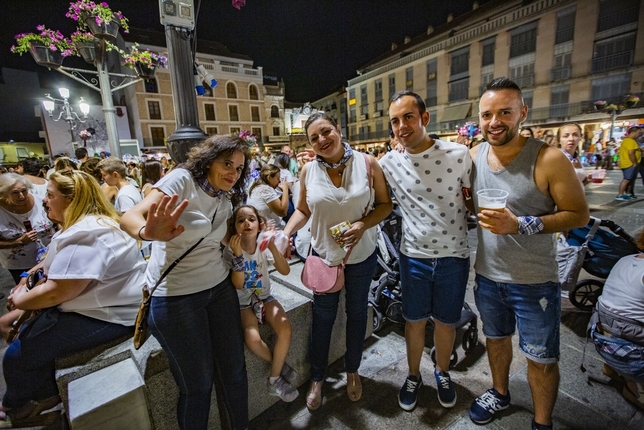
{"x": 314, "y": 396}
{"x": 29, "y": 414}
{"x": 354, "y": 386}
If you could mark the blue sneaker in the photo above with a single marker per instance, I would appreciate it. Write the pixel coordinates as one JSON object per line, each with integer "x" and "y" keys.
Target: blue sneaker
{"x": 484, "y": 407}
{"x": 445, "y": 388}
{"x": 623, "y": 197}
{"x": 408, "y": 394}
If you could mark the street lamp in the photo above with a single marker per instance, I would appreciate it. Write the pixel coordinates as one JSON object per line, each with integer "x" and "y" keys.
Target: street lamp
{"x": 67, "y": 112}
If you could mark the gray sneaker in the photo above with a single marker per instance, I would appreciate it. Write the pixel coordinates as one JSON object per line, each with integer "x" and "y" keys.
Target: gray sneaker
{"x": 282, "y": 389}
{"x": 288, "y": 373}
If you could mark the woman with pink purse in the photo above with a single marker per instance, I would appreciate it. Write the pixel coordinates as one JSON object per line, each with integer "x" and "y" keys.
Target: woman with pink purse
{"x": 335, "y": 187}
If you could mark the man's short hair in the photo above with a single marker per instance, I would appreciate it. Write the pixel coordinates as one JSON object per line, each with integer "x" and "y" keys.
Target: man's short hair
{"x": 31, "y": 165}
{"x": 111, "y": 165}
{"x": 503, "y": 83}
{"x": 80, "y": 153}
{"x": 419, "y": 100}
{"x": 634, "y": 129}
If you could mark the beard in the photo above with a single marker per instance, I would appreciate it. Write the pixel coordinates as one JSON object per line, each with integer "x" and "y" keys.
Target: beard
{"x": 510, "y": 133}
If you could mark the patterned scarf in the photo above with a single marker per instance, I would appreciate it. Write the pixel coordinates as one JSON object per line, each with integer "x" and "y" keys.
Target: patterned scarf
{"x": 208, "y": 189}
{"x": 348, "y": 152}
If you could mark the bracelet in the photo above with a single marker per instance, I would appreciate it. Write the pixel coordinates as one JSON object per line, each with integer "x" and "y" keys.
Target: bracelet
{"x": 529, "y": 225}
{"x": 237, "y": 263}
{"x": 140, "y": 230}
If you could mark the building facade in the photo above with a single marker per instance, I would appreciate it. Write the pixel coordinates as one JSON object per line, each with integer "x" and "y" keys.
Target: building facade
{"x": 564, "y": 54}
{"x": 241, "y": 100}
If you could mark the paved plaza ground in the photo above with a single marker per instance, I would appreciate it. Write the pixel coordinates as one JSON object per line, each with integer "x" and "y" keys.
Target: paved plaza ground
{"x": 586, "y": 400}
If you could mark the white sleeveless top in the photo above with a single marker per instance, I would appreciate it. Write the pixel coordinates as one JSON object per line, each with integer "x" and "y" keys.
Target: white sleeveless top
{"x": 330, "y": 206}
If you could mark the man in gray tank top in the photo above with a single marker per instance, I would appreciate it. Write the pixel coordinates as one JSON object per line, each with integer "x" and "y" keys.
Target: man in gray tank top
{"x": 516, "y": 271}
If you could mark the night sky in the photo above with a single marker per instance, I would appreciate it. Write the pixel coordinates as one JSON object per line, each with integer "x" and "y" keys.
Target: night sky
{"x": 314, "y": 45}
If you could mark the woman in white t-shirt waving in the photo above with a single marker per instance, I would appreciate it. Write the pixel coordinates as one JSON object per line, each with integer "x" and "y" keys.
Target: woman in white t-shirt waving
{"x": 91, "y": 296}
{"x": 194, "y": 313}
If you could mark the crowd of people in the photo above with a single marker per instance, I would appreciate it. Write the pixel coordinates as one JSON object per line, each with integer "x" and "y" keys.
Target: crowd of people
{"x": 213, "y": 225}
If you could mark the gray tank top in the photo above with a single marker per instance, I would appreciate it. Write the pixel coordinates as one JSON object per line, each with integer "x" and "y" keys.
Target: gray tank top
{"x": 515, "y": 258}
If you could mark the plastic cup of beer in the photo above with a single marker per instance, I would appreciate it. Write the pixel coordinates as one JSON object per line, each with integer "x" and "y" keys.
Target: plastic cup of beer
{"x": 492, "y": 199}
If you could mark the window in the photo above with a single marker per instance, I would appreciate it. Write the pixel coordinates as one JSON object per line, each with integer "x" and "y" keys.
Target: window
{"x": 487, "y": 75}
{"x": 432, "y": 94}
{"x": 409, "y": 79}
{"x": 275, "y": 112}
{"x": 231, "y": 90}
{"x": 154, "y": 109}
{"x": 209, "y": 108}
{"x": 233, "y": 113}
{"x": 614, "y": 53}
{"x": 615, "y": 13}
{"x": 257, "y": 131}
{"x": 276, "y": 131}
{"x": 458, "y": 90}
{"x": 487, "y": 54}
{"x": 158, "y": 136}
{"x": 522, "y": 70}
{"x": 559, "y": 101}
{"x": 611, "y": 86}
{"x": 151, "y": 85}
{"x": 523, "y": 39}
{"x": 234, "y": 130}
{"x": 565, "y": 25}
{"x": 459, "y": 63}
{"x": 379, "y": 125}
{"x": 253, "y": 93}
{"x": 392, "y": 85}
{"x": 561, "y": 62}
{"x": 363, "y": 94}
{"x": 378, "y": 90}
{"x": 211, "y": 130}
{"x": 432, "y": 66}
{"x": 254, "y": 113}
{"x": 433, "y": 124}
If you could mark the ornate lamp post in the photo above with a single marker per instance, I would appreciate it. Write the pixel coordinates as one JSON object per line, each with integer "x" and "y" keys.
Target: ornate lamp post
{"x": 66, "y": 113}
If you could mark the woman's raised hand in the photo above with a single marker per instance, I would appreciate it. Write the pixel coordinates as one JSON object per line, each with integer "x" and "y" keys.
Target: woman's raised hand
{"x": 306, "y": 155}
{"x": 161, "y": 223}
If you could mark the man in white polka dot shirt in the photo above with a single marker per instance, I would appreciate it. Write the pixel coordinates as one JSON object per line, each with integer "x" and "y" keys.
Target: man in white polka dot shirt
{"x": 427, "y": 180}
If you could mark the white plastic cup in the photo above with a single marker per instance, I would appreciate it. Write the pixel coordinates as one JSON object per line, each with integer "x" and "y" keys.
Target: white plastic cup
{"x": 492, "y": 199}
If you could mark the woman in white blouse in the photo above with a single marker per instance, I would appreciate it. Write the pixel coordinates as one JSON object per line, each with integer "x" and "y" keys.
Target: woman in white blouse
{"x": 91, "y": 295}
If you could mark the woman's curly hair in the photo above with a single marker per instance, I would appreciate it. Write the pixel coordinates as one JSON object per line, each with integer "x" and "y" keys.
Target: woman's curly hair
{"x": 201, "y": 157}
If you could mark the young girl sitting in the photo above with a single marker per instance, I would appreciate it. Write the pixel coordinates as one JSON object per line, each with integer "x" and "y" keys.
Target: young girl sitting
{"x": 250, "y": 277}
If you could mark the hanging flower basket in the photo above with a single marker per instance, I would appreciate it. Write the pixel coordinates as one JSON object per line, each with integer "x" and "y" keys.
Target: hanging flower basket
{"x": 102, "y": 29}
{"x": 600, "y": 105}
{"x": 45, "y": 56}
{"x": 631, "y": 101}
{"x": 87, "y": 50}
{"x": 144, "y": 71}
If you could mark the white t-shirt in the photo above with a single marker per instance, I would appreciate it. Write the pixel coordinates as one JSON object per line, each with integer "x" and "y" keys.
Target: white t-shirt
{"x": 96, "y": 248}
{"x": 285, "y": 174}
{"x": 427, "y": 187}
{"x": 39, "y": 190}
{"x": 260, "y": 197}
{"x": 126, "y": 198}
{"x": 204, "y": 267}
{"x": 256, "y": 277}
{"x": 623, "y": 291}
{"x": 12, "y": 227}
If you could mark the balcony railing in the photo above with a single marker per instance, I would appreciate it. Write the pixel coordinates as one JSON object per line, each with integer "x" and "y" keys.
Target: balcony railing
{"x": 560, "y": 73}
{"x": 618, "y": 19}
{"x": 614, "y": 61}
{"x": 524, "y": 81}
{"x": 372, "y": 135}
{"x": 458, "y": 94}
{"x": 564, "y": 35}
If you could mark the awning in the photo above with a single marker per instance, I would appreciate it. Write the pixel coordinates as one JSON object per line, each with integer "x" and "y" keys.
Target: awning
{"x": 456, "y": 113}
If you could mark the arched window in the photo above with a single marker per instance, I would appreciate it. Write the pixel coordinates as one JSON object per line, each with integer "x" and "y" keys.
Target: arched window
{"x": 231, "y": 91}
{"x": 252, "y": 91}
{"x": 275, "y": 112}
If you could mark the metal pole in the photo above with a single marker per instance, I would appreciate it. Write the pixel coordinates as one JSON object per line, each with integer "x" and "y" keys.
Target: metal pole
{"x": 613, "y": 115}
{"x": 187, "y": 133}
{"x": 108, "y": 103}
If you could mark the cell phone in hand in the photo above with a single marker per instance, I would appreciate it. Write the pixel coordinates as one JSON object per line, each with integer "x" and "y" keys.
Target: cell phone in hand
{"x": 27, "y": 225}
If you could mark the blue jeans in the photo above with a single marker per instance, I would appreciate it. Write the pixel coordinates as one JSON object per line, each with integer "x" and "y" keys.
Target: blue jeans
{"x": 433, "y": 287}
{"x": 357, "y": 279}
{"x": 534, "y": 308}
{"x": 201, "y": 334}
{"x": 29, "y": 362}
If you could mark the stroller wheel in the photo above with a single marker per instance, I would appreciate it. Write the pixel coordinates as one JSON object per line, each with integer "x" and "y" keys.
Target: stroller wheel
{"x": 453, "y": 360}
{"x": 470, "y": 339}
{"x": 584, "y": 295}
{"x": 378, "y": 320}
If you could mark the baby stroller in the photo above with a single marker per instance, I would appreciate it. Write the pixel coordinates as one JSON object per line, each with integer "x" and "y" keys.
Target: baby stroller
{"x": 600, "y": 245}
{"x": 386, "y": 295}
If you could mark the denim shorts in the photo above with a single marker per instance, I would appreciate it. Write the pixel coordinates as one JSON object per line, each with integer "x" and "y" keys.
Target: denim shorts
{"x": 630, "y": 173}
{"x": 433, "y": 287}
{"x": 534, "y": 308}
